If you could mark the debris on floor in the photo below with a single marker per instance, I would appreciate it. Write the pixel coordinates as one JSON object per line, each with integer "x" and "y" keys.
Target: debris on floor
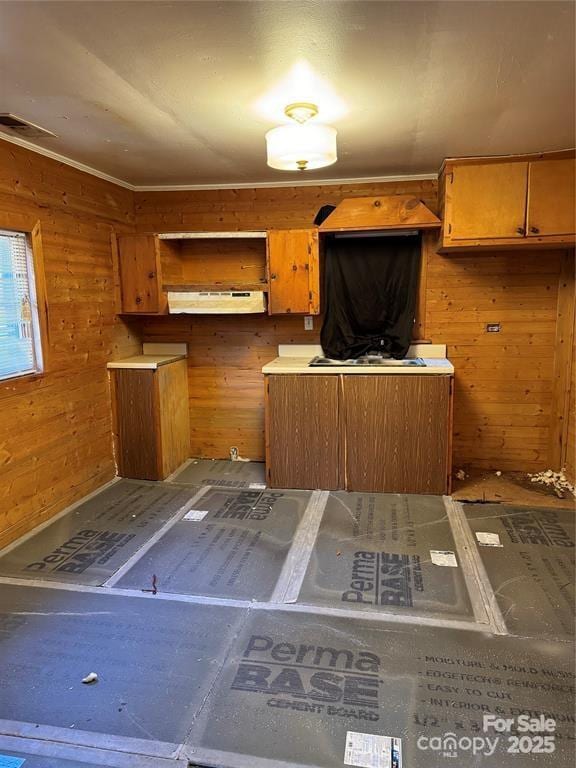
{"x": 556, "y": 480}
{"x": 461, "y": 475}
{"x": 91, "y": 678}
{"x": 510, "y": 487}
{"x": 235, "y": 455}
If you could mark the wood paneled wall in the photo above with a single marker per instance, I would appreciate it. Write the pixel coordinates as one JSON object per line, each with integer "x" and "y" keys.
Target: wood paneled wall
{"x": 281, "y": 208}
{"x": 504, "y": 394}
{"x": 504, "y": 399}
{"x": 55, "y": 429}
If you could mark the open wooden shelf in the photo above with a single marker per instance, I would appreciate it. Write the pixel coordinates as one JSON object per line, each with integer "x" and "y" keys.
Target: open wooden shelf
{"x": 214, "y": 264}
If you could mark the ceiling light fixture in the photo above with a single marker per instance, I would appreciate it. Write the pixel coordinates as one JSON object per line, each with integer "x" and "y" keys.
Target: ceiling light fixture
{"x": 301, "y": 145}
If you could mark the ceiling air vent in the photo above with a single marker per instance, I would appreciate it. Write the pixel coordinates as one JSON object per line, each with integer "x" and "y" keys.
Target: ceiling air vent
{"x": 25, "y": 129}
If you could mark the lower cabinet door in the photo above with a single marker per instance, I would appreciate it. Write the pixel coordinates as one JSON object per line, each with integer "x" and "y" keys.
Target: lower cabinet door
{"x": 302, "y": 426}
{"x": 396, "y": 433}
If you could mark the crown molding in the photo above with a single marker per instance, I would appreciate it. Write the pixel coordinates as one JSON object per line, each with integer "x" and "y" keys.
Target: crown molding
{"x": 198, "y": 187}
{"x": 66, "y": 160}
{"x": 295, "y": 183}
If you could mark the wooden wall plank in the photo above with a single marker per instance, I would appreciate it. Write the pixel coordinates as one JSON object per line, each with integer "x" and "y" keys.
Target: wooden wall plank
{"x": 504, "y": 381}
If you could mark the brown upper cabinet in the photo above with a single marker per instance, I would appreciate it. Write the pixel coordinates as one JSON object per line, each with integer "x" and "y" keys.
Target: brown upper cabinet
{"x": 524, "y": 201}
{"x": 293, "y": 264}
{"x": 283, "y": 263}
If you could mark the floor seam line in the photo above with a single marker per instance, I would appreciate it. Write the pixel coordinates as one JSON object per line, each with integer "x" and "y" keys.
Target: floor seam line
{"x": 200, "y": 709}
{"x": 485, "y": 590}
{"x": 295, "y": 566}
{"x": 146, "y": 546}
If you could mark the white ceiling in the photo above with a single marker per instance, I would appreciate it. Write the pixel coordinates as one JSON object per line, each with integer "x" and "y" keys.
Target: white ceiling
{"x": 170, "y": 93}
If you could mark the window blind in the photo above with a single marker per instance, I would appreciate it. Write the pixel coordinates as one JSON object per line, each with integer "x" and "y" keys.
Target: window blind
{"x": 17, "y": 311}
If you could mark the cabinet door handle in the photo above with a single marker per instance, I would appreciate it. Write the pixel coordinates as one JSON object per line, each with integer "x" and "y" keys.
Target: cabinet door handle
{"x": 151, "y": 275}
{"x": 138, "y": 299}
{"x": 534, "y": 230}
{"x": 521, "y": 230}
{"x": 272, "y": 276}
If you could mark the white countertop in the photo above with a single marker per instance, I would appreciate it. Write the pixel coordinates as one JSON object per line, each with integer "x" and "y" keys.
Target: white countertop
{"x": 146, "y": 362}
{"x": 296, "y": 358}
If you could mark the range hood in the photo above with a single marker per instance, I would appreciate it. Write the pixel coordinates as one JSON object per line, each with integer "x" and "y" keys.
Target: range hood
{"x": 216, "y": 302}
{"x": 388, "y": 212}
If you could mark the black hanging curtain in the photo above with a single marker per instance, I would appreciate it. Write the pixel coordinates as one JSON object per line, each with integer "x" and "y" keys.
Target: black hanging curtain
{"x": 370, "y": 291}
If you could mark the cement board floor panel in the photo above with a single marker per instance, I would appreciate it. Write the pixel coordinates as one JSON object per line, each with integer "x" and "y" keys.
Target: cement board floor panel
{"x": 220, "y": 472}
{"x": 156, "y": 660}
{"x": 528, "y": 554}
{"x": 387, "y": 552}
{"x": 236, "y": 551}
{"x": 295, "y": 685}
{"x": 92, "y": 541}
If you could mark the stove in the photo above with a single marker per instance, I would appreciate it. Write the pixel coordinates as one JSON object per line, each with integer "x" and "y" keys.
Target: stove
{"x": 367, "y": 360}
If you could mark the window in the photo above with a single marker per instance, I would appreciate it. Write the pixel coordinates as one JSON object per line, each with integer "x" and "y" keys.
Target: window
{"x": 20, "y": 345}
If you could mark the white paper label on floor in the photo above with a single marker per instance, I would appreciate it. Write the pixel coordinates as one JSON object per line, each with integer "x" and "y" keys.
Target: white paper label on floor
{"x": 257, "y": 486}
{"x": 194, "y": 515}
{"x": 6, "y": 761}
{"x": 443, "y": 558}
{"x": 367, "y": 750}
{"x": 488, "y": 539}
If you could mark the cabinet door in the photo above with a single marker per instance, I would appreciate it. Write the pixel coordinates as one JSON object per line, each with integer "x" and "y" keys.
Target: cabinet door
{"x": 139, "y": 268}
{"x": 487, "y": 201}
{"x": 293, "y": 271}
{"x": 396, "y": 433}
{"x": 302, "y": 432}
{"x": 134, "y": 405}
{"x": 551, "y": 202}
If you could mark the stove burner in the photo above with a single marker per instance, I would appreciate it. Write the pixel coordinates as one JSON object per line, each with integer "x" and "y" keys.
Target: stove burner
{"x": 368, "y": 360}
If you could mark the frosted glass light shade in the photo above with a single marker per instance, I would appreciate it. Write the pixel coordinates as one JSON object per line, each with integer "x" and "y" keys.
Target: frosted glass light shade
{"x": 297, "y": 147}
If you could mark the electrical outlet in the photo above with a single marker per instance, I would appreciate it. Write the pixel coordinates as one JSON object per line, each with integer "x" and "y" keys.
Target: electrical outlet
{"x": 308, "y": 323}
{"x": 493, "y": 328}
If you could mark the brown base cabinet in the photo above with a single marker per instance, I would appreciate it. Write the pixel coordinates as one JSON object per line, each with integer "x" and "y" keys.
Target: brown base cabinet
{"x": 151, "y": 421}
{"x": 380, "y": 433}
